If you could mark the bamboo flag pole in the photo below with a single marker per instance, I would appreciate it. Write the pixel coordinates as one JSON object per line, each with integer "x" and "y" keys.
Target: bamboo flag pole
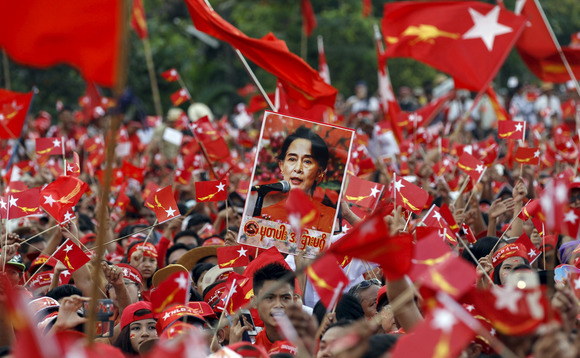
{"x": 121, "y": 81}
{"x": 152, "y": 77}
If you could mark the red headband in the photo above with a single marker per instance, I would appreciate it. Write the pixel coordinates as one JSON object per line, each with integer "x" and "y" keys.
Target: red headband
{"x": 510, "y": 250}
{"x": 148, "y": 249}
{"x": 131, "y": 273}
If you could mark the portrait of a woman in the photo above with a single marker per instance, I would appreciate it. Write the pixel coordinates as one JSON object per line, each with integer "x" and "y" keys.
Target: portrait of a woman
{"x": 302, "y": 161}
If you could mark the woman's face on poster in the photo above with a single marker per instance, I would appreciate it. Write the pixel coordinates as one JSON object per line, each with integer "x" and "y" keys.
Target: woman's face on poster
{"x": 299, "y": 167}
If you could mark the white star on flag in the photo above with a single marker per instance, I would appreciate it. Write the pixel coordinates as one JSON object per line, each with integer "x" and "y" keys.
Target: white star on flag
{"x": 2, "y": 203}
{"x": 437, "y": 215}
{"x": 68, "y": 248}
{"x": 506, "y": 297}
{"x": 577, "y": 283}
{"x": 49, "y": 200}
{"x": 570, "y": 217}
{"x": 65, "y": 273}
{"x": 480, "y": 168}
{"x": 443, "y": 320}
{"x": 170, "y": 212}
{"x": 68, "y": 216}
{"x": 469, "y": 308}
{"x": 181, "y": 281}
{"x": 519, "y": 127}
{"x": 242, "y": 252}
{"x": 13, "y": 201}
{"x": 537, "y": 154}
{"x": 374, "y": 192}
{"x": 220, "y": 187}
{"x": 398, "y": 185}
{"x": 56, "y": 143}
{"x": 486, "y": 27}
{"x": 532, "y": 253}
{"x": 345, "y": 229}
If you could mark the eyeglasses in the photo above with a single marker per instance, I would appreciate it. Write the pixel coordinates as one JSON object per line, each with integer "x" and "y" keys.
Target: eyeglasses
{"x": 368, "y": 283}
{"x": 573, "y": 198}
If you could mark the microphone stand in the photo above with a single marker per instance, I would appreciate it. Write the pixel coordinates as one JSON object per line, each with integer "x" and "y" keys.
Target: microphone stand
{"x": 262, "y": 192}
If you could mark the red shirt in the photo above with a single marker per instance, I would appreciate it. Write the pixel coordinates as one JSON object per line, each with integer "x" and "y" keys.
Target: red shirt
{"x": 262, "y": 339}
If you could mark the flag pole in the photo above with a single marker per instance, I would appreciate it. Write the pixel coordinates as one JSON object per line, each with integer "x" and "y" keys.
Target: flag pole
{"x": 255, "y": 80}
{"x": 152, "y": 77}
{"x": 558, "y": 47}
{"x": 6, "y": 70}
{"x": 124, "y": 9}
{"x": 182, "y": 84}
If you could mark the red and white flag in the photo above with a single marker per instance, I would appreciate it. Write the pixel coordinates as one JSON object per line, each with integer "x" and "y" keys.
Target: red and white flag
{"x": 232, "y": 256}
{"x": 511, "y": 129}
{"x": 529, "y": 156}
{"x": 212, "y": 190}
{"x": 23, "y": 203}
{"x": 180, "y": 97}
{"x": 170, "y": 75}
{"x": 163, "y": 203}
{"x": 49, "y": 146}
{"x": 71, "y": 256}
{"x": 471, "y": 166}
{"x": 408, "y": 195}
{"x": 363, "y": 192}
{"x": 13, "y": 111}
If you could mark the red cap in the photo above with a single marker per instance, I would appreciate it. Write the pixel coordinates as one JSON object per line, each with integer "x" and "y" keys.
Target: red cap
{"x": 90, "y": 237}
{"x": 41, "y": 259}
{"x": 246, "y": 349}
{"x": 41, "y": 279}
{"x": 43, "y": 306}
{"x": 174, "y": 313}
{"x": 382, "y": 295}
{"x": 212, "y": 297}
{"x": 131, "y": 273}
{"x": 510, "y": 250}
{"x": 177, "y": 329}
{"x": 214, "y": 241}
{"x": 283, "y": 347}
{"x": 129, "y": 316}
{"x": 202, "y": 308}
{"x": 148, "y": 249}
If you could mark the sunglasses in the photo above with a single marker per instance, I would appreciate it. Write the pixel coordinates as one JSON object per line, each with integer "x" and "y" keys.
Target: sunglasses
{"x": 368, "y": 283}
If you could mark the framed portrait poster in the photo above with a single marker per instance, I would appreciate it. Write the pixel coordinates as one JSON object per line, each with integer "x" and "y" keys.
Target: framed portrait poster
{"x": 292, "y": 154}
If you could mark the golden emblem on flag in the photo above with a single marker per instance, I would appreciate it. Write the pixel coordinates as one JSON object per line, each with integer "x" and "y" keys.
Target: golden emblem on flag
{"x": 427, "y": 33}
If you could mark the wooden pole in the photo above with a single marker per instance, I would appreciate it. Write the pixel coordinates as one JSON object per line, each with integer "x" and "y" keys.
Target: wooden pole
{"x": 152, "y": 77}
{"x": 121, "y": 81}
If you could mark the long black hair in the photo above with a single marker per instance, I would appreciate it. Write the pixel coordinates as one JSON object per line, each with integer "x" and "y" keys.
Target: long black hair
{"x": 123, "y": 341}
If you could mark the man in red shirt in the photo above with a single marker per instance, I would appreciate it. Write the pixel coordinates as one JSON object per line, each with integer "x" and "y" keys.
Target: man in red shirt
{"x": 264, "y": 279}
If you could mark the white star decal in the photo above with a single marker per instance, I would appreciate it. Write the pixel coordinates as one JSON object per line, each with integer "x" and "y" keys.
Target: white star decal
{"x": 537, "y": 154}
{"x": 345, "y": 229}
{"x": 577, "y": 283}
{"x": 13, "y": 201}
{"x": 480, "y": 168}
{"x": 170, "y": 212}
{"x": 56, "y": 143}
{"x": 65, "y": 273}
{"x": 570, "y": 217}
{"x": 486, "y": 27}
{"x": 242, "y": 252}
{"x": 492, "y": 332}
{"x": 68, "y": 216}
{"x": 69, "y": 168}
{"x": 220, "y": 187}
{"x": 532, "y": 253}
{"x": 68, "y": 248}
{"x": 506, "y": 297}
{"x": 166, "y": 315}
{"x": 443, "y": 320}
{"x": 469, "y": 308}
{"x": 398, "y": 185}
{"x": 561, "y": 193}
{"x": 374, "y": 191}
{"x": 2, "y": 203}
{"x": 437, "y": 215}
{"x": 181, "y": 281}
{"x": 519, "y": 127}
{"x": 49, "y": 200}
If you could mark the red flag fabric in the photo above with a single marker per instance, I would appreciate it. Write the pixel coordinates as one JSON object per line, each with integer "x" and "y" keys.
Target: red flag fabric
{"x": 554, "y": 201}
{"x": 409, "y": 196}
{"x": 370, "y": 240}
{"x": 301, "y": 211}
{"x": 530, "y": 156}
{"x": 454, "y": 276}
{"x": 471, "y": 166}
{"x": 300, "y": 81}
{"x": 171, "y": 75}
{"x": 363, "y": 192}
{"x": 539, "y": 51}
{"x": 367, "y": 7}
{"x": 500, "y": 113}
{"x": 531, "y": 250}
{"x": 232, "y": 256}
{"x": 468, "y": 40}
{"x": 74, "y": 168}
{"x": 203, "y": 129}
{"x": 217, "y": 149}
{"x": 511, "y": 130}
{"x": 24, "y": 203}
{"x": 49, "y": 146}
{"x": 163, "y": 204}
{"x": 180, "y": 97}
{"x": 328, "y": 280}
{"x": 434, "y": 219}
{"x": 138, "y": 20}
{"x": 430, "y": 250}
{"x": 131, "y": 171}
{"x": 212, "y": 190}
{"x": 83, "y": 34}
{"x": 174, "y": 290}
{"x": 13, "y": 110}
{"x": 441, "y": 335}
{"x": 60, "y": 196}
{"x": 308, "y": 17}
{"x": 323, "y": 69}
{"x": 71, "y": 256}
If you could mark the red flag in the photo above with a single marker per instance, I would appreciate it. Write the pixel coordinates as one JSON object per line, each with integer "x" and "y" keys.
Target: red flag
{"x": 174, "y": 290}
{"x": 554, "y": 201}
{"x": 163, "y": 204}
{"x": 203, "y": 129}
{"x": 322, "y": 64}
{"x": 13, "y": 110}
{"x": 171, "y": 75}
{"x": 49, "y": 146}
{"x": 71, "y": 256}
{"x": 74, "y": 168}
{"x": 538, "y": 50}
{"x": 442, "y": 334}
{"x": 60, "y": 196}
{"x": 180, "y": 97}
{"x": 408, "y": 195}
{"x": 454, "y": 276}
{"x": 500, "y": 112}
{"x": 434, "y": 219}
{"x": 212, "y": 190}
{"x": 531, "y": 250}
{"x": 300, "y": 81}
{"x": 530, "y": 156}
{"x": 83, "y": 34}
{"x": 308, "y": 17}
{"x": 217, "y": 149}
{"x": 150, "y": 188}
{"x": 122, "y": 198}
{"x": 363, "y": 192}
{"x": 328, "y": 280}
{"x": 430, "y": 250}
{"x": 367, "y": 8}
{"x": 388, "y": 101}
{"x": 24, "y": 203}
{"x": 232, "y": 256}
{"x": 468, "y": 40}
{"x": 301, "y": 211}
{"x": 511, "y": 130}
{"x": 138, "y": 20}
{"x": 471, "y": 166}
{"x": 131, "y": 171}
{"x": 370, "y": 240}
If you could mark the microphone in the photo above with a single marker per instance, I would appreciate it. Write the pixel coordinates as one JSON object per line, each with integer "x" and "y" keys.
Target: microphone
{"x": 282, "y": 186}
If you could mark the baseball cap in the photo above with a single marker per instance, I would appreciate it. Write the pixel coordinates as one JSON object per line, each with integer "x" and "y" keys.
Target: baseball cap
{"x": 129, "y": 316}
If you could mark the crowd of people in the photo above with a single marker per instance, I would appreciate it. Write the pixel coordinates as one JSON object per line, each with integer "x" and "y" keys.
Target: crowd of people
{"x": 377, "y": 315}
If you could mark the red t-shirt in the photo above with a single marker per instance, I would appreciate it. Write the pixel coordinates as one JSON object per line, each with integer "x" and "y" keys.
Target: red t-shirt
{"x": 262, "y": 339}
